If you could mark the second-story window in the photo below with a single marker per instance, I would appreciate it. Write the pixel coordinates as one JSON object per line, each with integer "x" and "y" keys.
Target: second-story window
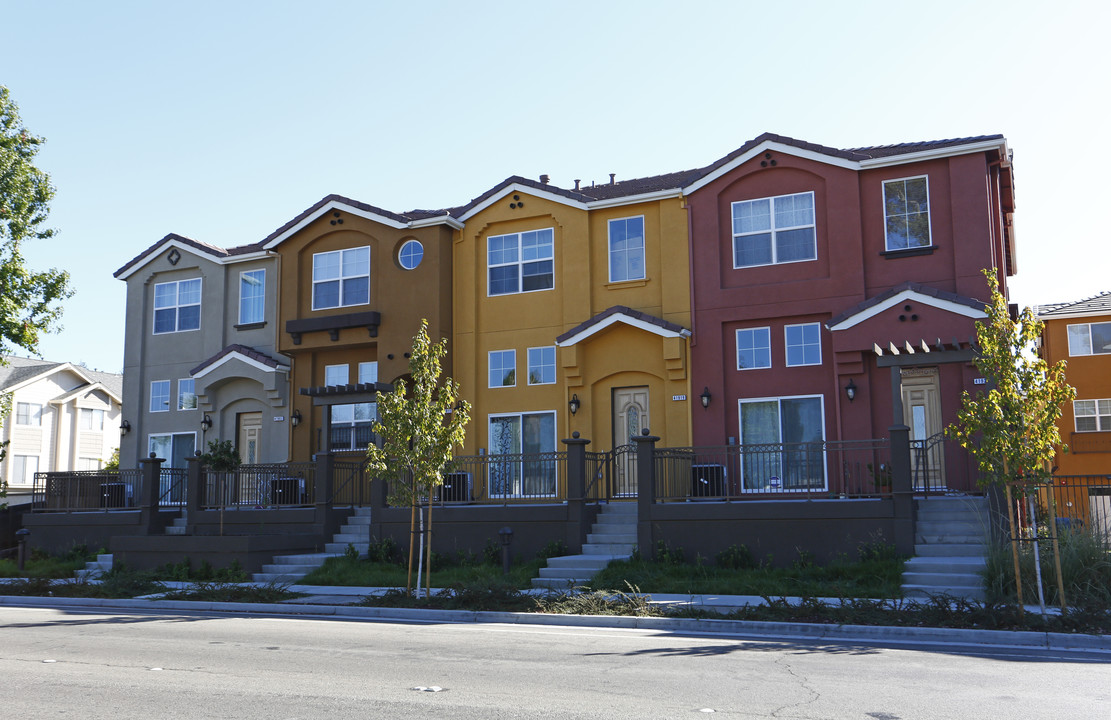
{"x": 754, "y": 348}
{"x": 252, "y": 297}
{"x": 503, "y": 368}
{"x": 336, "y": 375}
{"x": 626, "y": 249}
{"x": 186, "y": 394}
{"x": 177, "y": 306}
{"x": 542, "y": 365}
{"x": 804, "y": 344}
{"x": 520, "y": 262}
{"x": 91, "y": 419}
{"x": 906, "y": 207}
{"x": 341, "y": 278}
{"x": 160, "y": 396}
{"x": 1090, "y": 339}
{"x": 28, "y": 414}
{"x": 774, "y": 230}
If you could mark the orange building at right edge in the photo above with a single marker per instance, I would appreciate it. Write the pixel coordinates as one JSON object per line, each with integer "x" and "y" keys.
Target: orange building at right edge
{"x": 1080, "y": 333}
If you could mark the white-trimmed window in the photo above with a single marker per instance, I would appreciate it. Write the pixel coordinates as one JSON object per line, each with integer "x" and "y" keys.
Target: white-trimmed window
{"x": 1092, "y": 415}
{"x": 252, "y": 296}
{"x": 28, "y": 414}
{"x": 160, "y": 396}
{"x": 88, "y": 464}
{"x": 186, "y": 394}
{"x": 784, "y": 438}
{"x": 542, "y": 365}
{"x": 1090, "y": 339}
{"x": 341, "y": 278}
{"x": 906, "y": 207}
{"x": 503, "y": 368}
{"x": 754, "y": 348}
{"x": 410, "y": 254}
{"x": 24, "y": 468}
{"x": 520, "y": 262}
{"x": 804, "y": 344}
{"x": 774, "y": 230}
{"x": 368, "y": 372}
{"x": 177, "y": 306}
{"x": 529, "y": 442}
{"x": 336, "y": 375}
{"x": 173, "y": 448}
{"x": 91, "y": 419}
{"x": 626, "y": 237}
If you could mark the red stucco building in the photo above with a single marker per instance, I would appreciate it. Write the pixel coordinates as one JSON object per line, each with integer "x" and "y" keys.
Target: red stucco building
{"x": 835, "y": 292}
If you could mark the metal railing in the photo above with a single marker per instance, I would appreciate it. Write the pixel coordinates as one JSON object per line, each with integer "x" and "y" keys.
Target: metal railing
{"x": 351, "y": 483}
{"x": 259, "y": 486}
{"x": 842, "y": 469}
{"x": 1082, "y": 502}
{"x": 502, "y": 479}
{"x": 172, "y": 485}
{"x": 86, "y": 490}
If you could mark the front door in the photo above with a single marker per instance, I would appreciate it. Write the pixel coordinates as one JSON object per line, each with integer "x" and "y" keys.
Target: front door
{"x": 922, "y": 414}
{"x": 250, "y": 437}
{"x": 630, "y": 416}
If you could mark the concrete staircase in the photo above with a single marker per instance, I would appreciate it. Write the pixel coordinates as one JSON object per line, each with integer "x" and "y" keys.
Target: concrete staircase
{"x": 177, "y": 527}
{"x": 289, "y": 568}
{"x": 949, "y": 548}
{"x": 613, "y": 537}
{"x": 95, "y": 568}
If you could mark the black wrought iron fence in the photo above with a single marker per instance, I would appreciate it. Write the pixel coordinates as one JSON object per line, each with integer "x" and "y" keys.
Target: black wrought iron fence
{"x": 259, "y": 486}
{"x": 1083, "y": 502}
{"x": 172, "y": 484}
{"x": 86, "y": 490}
{"x": 501, "y": 479}
{"x": 350, "y": 483}
{"x": 826, "y": 469}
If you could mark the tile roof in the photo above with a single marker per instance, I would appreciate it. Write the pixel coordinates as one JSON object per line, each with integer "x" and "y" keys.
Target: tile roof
{"x": 190, "y": 242}
{"x": 19, "y": 369}
{"x": 913, "y": 286}
{"x": 882, "y": 151}
{"x": 621, "y": 310}
{"x": 245, "y": 351}
{"x": 1095, "y": 305}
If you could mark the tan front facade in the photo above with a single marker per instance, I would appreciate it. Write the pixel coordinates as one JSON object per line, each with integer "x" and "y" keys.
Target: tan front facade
{"x": 568, "y": 275}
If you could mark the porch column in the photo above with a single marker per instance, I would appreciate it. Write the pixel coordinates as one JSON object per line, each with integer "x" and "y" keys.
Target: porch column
{"x": 150, "y": 472}
{"x": 896, "y": 395}
{"x": 194, "y": 477}
{"x": 646, "y": 490}
{"x": 576, "y": 492}
{"x": 902, "y": 491}
{"x": 324, "y": 487}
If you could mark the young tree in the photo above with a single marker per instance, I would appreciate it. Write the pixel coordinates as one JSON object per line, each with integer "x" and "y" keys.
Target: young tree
{"x": 29, "y": 300}
{"x": 1011, "y": 428}
{"x": 419, "y": 431}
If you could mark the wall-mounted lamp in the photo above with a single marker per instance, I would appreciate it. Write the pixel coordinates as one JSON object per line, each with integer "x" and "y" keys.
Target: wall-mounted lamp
{"x": 705, "y": 397}
{"x": 574, "y": 404}
{"x": 850, "y": 390}
{"x": 125, "y": 428}
{"x": 295, "y": 418}
{"x": 206, "y": 423}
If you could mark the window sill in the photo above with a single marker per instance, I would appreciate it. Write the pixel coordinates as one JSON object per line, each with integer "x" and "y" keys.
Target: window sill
{"x": 626, "y": 284}
{"x": 908, "y": 252}
{"x": 251, "y": 326}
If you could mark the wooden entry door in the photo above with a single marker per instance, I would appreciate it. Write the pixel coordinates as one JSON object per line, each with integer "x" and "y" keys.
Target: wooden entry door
{"x": 922, "y": 414}
{"x": 630, "y": 416}
{"x": 250, "y": 437}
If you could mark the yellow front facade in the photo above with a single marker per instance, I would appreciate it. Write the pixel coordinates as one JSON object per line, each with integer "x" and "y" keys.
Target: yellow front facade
{"x": 530, "y": 267}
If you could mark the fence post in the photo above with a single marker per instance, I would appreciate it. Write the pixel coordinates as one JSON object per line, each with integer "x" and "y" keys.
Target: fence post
{"x": 646, "y": 491}
{"x": 194, "y": 479}
{"x": 902, "y": 490}
{"x": 151, "y": 473}
{"x": 576, "y": 492}
{"x": 325, "y": 484}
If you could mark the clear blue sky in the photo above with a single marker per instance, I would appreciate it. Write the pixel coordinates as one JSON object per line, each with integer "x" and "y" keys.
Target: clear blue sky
{"x": 223, "y": 120}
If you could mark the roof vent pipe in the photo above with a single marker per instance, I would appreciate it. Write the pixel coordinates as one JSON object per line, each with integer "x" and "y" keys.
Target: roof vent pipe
{"x": 611, "y": 177}
{"x": 577, "y": 181}
{"x": 544, "y": 179}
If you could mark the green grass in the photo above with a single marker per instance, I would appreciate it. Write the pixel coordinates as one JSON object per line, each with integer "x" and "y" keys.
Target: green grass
{"x": 347, "y": 571}
{"x": 872, "y": 578}
{"x": 230, "y": 592}
{"x": 41, "y": 565}
{"x": 1085, "y": 570}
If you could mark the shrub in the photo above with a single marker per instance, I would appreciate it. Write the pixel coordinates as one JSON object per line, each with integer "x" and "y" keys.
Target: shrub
{"x": 735, "y": 557}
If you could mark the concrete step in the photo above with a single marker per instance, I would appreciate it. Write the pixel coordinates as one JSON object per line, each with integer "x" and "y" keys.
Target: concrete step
{"x": 967, "y": 564}
{"x": 951, "y": 527}
{"x": 289, "y": 569}
{"x": 921, "y": 538}
{"x": 583, "y": 562}
{"x": 975, "y": 549}
{"x": 619, "y": 551}
{"x": 610, "y": 538}
{"x": 340, "y": 548}
{"x": 558, "y": 583}
{"x": 922, "y": 592}
{"x": 303, "y": 559}
{"x": 566, "y": 574}
{"x": 264, "y": 577}
{"x": 175, "y": 530}
{"x": 618, "y": 508}
{"x": 343, "y": 537}
{"x": 942, "y": 579}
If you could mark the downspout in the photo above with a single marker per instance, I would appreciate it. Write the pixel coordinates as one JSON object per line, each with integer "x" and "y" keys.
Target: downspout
{"x": 693, "y": 336}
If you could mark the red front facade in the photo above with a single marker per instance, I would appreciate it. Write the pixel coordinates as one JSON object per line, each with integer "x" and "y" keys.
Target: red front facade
{"x": 805, "y": 259}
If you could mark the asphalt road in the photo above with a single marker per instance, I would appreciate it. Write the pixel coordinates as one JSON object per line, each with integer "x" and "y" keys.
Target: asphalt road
{"x": 58, "y": 662}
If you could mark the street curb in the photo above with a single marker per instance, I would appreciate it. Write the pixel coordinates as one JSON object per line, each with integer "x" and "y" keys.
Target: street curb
{"x": 957, "y": 637}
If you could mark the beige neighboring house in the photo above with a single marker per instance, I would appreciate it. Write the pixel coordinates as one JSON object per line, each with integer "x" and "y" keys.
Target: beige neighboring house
{"x": 63, "y": 417}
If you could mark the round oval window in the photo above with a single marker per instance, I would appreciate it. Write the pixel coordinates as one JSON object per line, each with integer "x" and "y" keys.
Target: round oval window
{"x": 410, "y": 255}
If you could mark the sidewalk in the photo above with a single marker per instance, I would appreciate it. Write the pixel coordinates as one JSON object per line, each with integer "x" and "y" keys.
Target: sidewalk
{"x": 335, "y": 601}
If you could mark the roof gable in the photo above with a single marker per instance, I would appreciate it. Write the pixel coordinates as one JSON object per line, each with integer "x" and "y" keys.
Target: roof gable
{"x": 910, "y": 291}
{"x": 334, "y": 203}
{"x": 242, "y": 353}
{"x": 625, "y": 315}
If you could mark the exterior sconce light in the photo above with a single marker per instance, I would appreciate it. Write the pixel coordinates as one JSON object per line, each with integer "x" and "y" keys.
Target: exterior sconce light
{"x": 295, "y": 418}
{"x": 705, "y": 397}
{"x": 125, "y": 428}
{"x": 850, "y": 390}
{"x": 574, "y": 404}
{"x": 206, "y": 424}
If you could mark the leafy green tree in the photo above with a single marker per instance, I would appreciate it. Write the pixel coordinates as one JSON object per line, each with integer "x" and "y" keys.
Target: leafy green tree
{"x": 1011, "y": 428}
{"x": 29, "y": 300}
{"x": 419, "y": 432}
{"x": 221, "y": 456}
